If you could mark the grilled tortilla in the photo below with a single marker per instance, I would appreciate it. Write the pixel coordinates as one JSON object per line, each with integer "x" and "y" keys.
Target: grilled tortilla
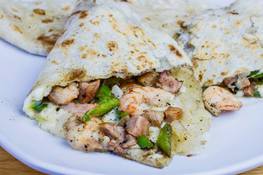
{"x": 112, "y": 83}
{"x": 170, "y": 16}
{"x": 34, "y": 25}
{"x": 226, "y": 47}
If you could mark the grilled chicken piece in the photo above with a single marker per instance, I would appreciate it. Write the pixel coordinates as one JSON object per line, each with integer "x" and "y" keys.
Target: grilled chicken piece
{"x": 217, "y": 100}
{"x": 78, "y": 109}
{"x": 83, "y": 136}
{"x": 88, "y": 90}
{"x": 127, "y": 87}
{"x": 242, "y": 82}
{"x": 148, "y": 79}
{"x": 173, "y": 113}
{"x": 236, "y": 82}
{"x": 64, "y": 95}
{"x": 114, "y": 146}
{"x": 129, "y": 142}
{"x": 137, "y": 126}
{"x": 113, "y": 131}
{"x": 155, "y": 117}
{"x": 169, "y": 83}
{"x": 132, "y": 101}
{"x": 230, "y": 82}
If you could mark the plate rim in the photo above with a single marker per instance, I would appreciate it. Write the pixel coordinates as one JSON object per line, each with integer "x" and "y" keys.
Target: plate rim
{"x": 48, "y": 168}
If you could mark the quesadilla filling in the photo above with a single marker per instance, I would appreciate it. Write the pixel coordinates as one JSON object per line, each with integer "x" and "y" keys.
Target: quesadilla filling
{"x": 220, "y": 99}
{"x": 247, "y": 85}
{"x": 119, "y": 115}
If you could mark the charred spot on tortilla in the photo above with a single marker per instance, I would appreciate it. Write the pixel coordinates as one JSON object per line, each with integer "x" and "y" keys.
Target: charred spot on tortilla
{"x": 75, "y": 74}
{"x": 233, "y": 12}
{"x": 48, "y": 20}
{"x": 17, "y": 29}
{"x": 67, "y": 42}
{"x": 83, "y": 14}
{"x": 16, "y": 17}
{"x": 174, "y": 50}
{"x": 112, "y": 46}
{"x": 48, "y": 41}
{"x": 39, "y": 12}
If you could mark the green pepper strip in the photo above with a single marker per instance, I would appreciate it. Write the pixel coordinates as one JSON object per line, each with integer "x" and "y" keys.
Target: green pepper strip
{"x": 164, "y": 139}
{"x": 104, "y": 93}
{"x": 38, "y": 106}
{"x": 101, "y": 109}
{"x": 144, "y": 142}
{"x": 255, "y": 75}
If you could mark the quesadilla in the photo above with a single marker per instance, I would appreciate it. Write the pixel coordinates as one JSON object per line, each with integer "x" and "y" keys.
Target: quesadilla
{"x": 226, "y": 47}
{"x": 112, "y": 83}
{"x": 34, "y": 25}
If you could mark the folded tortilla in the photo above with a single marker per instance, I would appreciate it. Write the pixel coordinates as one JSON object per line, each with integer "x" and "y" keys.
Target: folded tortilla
{"x": 111, "y": 40}
{"x": 227, "y": 42}
{"x": 170, "y": 15}
{"x": 34, "y": 25}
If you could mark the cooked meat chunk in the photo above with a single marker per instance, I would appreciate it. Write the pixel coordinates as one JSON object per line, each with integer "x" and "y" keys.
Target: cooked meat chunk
{"x": 113, "y": 131}
{"x": 132, "y": 101}
{"x": 243, "y": 82}
{"x": 248, "y": 91}
{"x": 78, "y": 109}
{"x": 127, "y": 87}
{"x": 64, "y": 95}
{"x": 129, "y": 142}
{"x": 148, "y": 79}
{"x": 217, "y": 100}
{"x": 114, "y": 146}
{"x": 173, "y": 113}
{"x": 88, "y": 90}
{"x": 155, "y": 117}
{"x": 137, "y": 126}
{"x": 169, "y": 83}
{"x": 83, "y": 136}
{"x": 230, "y": 82}
{"x": 237, "y": 82}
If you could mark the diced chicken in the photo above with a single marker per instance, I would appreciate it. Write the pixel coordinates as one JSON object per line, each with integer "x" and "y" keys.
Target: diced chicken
{"x": 127, "y": 87}
{"x": 236, "y": 82}
{"x": 132, "y": 101}
{"x": 137, "y": 126}
{"x": 114, "y": 146}
{"x": 243, "y": 83}
{"x": 230, "y": 82}
{"x": 88, "y": 90}
{"x": 173, "y": 113}
{"x": 148, "y": 79}
{"x": 78, "y": 109}
{"x": 130, "y": 141}
{"x": 217, "y": 100}
{"x": 169, "y": 83}
{"x": 155, "y": 117}
{"x": 249, "y": 90}
{"x": 83, "y": 136}
{"x": 113, "y": 131}
{"x": 64, "y": 95}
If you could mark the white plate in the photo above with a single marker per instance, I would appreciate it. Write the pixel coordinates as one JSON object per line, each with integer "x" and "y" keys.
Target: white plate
{"x": 235, "y": 144}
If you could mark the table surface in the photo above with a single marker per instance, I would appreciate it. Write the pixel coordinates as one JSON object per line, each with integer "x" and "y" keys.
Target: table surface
{"x": 7, "y": 164}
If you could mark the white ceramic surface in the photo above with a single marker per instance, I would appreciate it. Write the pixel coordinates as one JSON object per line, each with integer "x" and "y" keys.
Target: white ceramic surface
{"x": 235, "y": 143}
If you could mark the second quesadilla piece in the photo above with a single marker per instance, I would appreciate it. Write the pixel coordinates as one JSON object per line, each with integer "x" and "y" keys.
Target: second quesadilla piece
{"x": 226, "y": 47}
{"x": 34, "y": 25}
{"x": 110, "y": 85}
